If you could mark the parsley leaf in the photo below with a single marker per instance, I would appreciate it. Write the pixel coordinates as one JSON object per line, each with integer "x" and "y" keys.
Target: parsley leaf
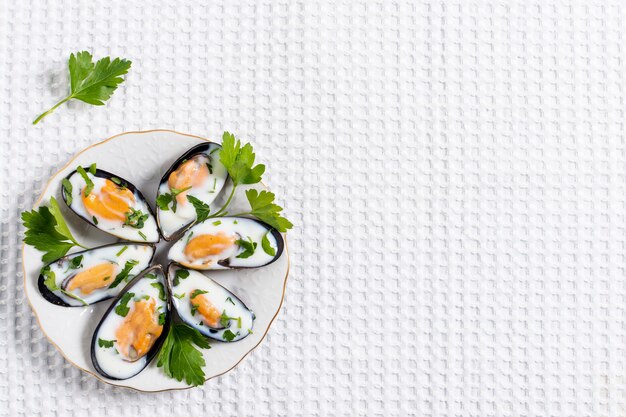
{"x": 180, "y": 274}
{"x": 50, "y": 280}
{"x": 162, "y": 318}
{"x": 264, "y": 209}
{"x": 164, "y": 200}
{"x": 92, "y": 83}
{"x": 178, "y": 356}
{"x": 229, "y": 336}
{"x": 267, "y": 246}
{"x": 47, "y": 231}
{"x": 105, "y": 343}
{"x": 196, "y": 293}
{"x": 76, "y": 262}
{"x": 67, "y": 190}
{"x": 124, "y": 273}
{"x": 161, "y": 289}
{"x": 239, "y": 161}
{"x": 248, "y": 247}
{"x": 122, "y": 308}
{"x": 202, "y": 209}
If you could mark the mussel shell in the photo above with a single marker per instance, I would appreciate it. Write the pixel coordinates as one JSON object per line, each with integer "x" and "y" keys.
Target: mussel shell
{"x": 54, "y": 299}
{"x": 226, "y": 263}
{"x": 202, "y": 148}
{"x": 107, "y": 175}
{"x": 159, "y": 342}
{"x": 212, "y": 333}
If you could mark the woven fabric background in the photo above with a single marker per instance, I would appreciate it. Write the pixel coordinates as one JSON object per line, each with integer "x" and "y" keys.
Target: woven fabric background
{"x": 456, "y": 172}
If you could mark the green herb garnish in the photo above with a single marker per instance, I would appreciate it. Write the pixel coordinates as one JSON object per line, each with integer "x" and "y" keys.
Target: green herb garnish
{"x": 196, "y": 293}
{"x": 121, "y": 251}
{"x": 164, "y": 200}
{"x": 124, "y": 273}
{"x": 142, "y": 235}
{"x": 67, "y": 190}
{"x": 92, "y": 83}
{"x": 106, "y": 343}
{"x": 230, "y": 300}
{"x": 202, "y": 209}
{"x": 178, "y": 356}
{"x": 95, "y": 220}
{"x": 122, "y": 308}
{"x": 76, "y": 262}
{"x": 136, "y": 218}
{"x": 263, "y": 208}
{"x": 180, "y": 274}
{"x": 239, "y": 162}
{"x": 267, "y": 246}
{"x": 248, "y": 247}
{"x": 229, "y": 336}
{"x": 161, "y": 289}
{"x": 47, "y": 231}
{"x": 50, "y": 280}
{"x": 88, "y": 181}
{"x": 162, "y": 319}
{"x": 179, "y": 296}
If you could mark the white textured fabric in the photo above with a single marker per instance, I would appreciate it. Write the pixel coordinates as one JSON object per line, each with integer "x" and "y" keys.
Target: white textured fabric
{"x": 456, "y": 173}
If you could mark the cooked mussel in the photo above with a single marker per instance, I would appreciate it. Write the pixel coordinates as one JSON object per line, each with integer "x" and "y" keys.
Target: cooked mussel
{"x": 133, "y": 329}
{"x": 208, "y": 307}
{"x": 93, "y": 275}
{"x": 228, "y": 242}
{"x": 111, "y": 204}
{"x": 199, "y": 174}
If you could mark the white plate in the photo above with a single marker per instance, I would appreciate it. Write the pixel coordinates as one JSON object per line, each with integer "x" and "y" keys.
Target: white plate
{"x": 142, "y": 158}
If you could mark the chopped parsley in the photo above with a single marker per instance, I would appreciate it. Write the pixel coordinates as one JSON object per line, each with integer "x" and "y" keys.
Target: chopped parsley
{"x": 229, "y": 336}
{"x": 180, "y": 274}
{"x": 136, "y": 218}
{"x": 164, "y": 200}
{"x": 88, "y": 180}
{"x": 162, "y": 319}
{"x": 67, "y": 190}
{"x": 202, "y": 209}
{"x": 248, "y": 247}
{"x": 179, "y": 296}
{"x": 196, "y": 293}
{"x": 122, "y": 308}
{"x": 142, "y": 235}
{"x": 267, "y": 246}
{"x": 106, "y": 343}
{"x": 124, "y": 273}
{"x": 225, "y": 320}
{"x": 121, "y": 251}
{"x": 217, "y": 223}
{"x": 75, "y": 263}
{"x": 50, "y": 278}
{"x": 161, "y": 289}
{"x": 95, "y": 220}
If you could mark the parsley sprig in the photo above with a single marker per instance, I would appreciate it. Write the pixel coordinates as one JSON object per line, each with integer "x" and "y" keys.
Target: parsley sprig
{"x": 178, "y": 356}
{"x": 47, "y": 231}
{"x": 92, "y": 83}
{"x": 239, "y": 162}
